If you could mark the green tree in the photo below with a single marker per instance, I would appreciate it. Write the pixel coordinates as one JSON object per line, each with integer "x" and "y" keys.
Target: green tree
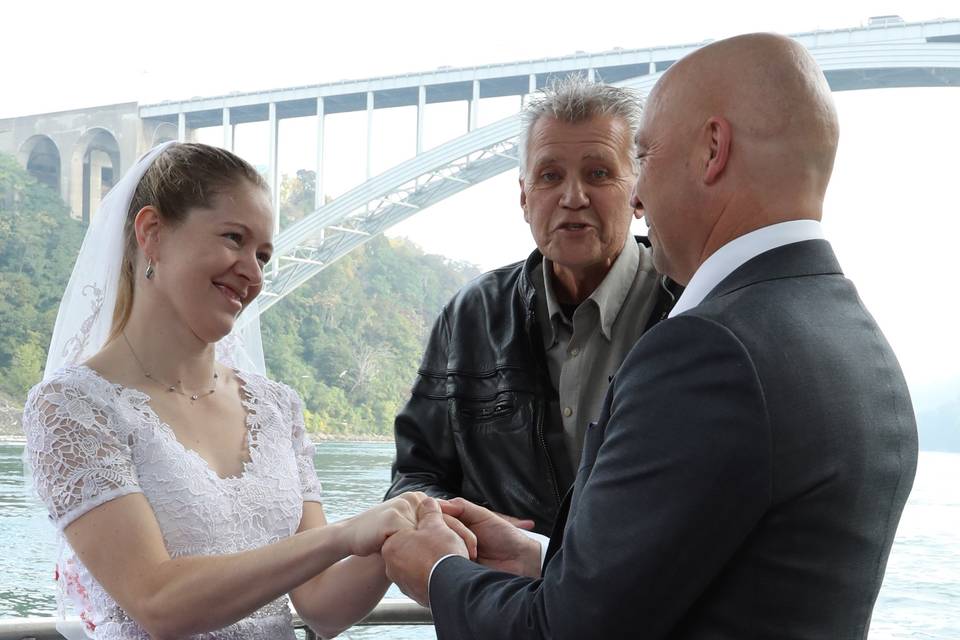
{"x": 26, "y": 365}
{"x": 38, "y": 245}
{"x": 350, "y": 339}
{"x": 297, "y": 196}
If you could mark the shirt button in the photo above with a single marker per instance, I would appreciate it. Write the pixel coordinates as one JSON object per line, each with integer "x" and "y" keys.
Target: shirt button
{"x": 567, "y": 412}
{"x": 574, "y": 351}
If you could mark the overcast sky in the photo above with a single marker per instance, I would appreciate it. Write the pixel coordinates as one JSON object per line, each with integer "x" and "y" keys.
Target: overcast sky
{"x": 893, "y": 208}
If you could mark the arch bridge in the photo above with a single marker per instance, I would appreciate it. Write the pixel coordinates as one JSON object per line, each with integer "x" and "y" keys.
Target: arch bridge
{"x": 80, "y": 152}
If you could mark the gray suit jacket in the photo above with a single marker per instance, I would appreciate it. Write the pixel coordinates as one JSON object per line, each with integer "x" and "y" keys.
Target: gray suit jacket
{"x": 745, "y": 479}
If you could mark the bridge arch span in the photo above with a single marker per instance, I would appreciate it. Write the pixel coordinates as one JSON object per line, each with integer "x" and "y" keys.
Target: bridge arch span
{"x": 41, "y": 157}
{"x": 313, "y": 243}
{"x": 95, "y": 165}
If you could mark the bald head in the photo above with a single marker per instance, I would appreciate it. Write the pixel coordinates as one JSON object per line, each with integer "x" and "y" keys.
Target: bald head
{"x": 750, "y": 126}
{"x": 773, "y": 94}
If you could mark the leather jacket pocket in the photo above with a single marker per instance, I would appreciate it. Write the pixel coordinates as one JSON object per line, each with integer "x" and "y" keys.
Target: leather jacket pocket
{"x": 500, "y": 413}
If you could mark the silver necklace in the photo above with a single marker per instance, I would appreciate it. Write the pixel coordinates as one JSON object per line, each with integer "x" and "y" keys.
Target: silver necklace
{"x": 170, "y": 387}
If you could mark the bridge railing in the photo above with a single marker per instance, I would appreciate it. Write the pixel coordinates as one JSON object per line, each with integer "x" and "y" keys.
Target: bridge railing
{"x": 390, "y": 611}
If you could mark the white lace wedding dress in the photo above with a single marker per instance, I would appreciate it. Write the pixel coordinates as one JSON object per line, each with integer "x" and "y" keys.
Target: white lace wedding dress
{"x": 90, "y": 441}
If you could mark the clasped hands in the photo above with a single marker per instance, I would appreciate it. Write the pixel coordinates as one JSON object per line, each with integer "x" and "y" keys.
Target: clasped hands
{"x": 420, "y": 530}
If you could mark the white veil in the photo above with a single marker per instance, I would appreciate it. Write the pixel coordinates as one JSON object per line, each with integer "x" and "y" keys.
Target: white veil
{"x": 86, "y": 309}
{"x": 86, "y": 313}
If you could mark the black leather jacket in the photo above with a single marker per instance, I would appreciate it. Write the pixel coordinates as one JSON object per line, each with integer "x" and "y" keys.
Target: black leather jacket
{"x": 476, "y": 424}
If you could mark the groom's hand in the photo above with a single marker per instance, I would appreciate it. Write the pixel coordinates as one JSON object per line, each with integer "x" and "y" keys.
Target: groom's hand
{"x": 411, "y": 554}
{"x": 500, "y": 544}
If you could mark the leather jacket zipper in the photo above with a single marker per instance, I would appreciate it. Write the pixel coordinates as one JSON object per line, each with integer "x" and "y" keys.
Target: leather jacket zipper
{"x": 546, "y": 452}
{"x": 536, "y": 350}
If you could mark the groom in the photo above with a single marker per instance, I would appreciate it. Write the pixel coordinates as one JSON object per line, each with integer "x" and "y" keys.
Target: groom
{"x": 755, "y": 451}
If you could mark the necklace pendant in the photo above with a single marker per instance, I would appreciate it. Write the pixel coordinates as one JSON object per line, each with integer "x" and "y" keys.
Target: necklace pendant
{"x": 193, "y": 397}
{"x": 172, "y": 388}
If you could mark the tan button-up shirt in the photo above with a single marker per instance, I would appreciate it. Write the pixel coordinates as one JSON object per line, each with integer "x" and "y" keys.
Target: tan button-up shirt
{"x": 583, "y": 352}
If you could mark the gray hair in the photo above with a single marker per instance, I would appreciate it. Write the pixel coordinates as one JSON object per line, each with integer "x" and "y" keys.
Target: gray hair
{"x": 574, "y": 98}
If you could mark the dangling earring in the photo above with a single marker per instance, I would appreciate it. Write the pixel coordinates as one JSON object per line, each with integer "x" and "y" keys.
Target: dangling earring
{"x": 149, "y": 272}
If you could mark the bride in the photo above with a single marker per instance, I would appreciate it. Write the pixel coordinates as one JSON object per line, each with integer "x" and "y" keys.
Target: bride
{"x": 183, "y": 487}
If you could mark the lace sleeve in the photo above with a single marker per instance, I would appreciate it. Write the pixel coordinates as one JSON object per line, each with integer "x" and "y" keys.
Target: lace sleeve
{"x": 77, "y": 459}
{"x": 304, "y": 451}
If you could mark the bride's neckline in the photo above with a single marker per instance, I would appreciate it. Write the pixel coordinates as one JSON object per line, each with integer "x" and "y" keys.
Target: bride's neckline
{"x": 250, "y": 420}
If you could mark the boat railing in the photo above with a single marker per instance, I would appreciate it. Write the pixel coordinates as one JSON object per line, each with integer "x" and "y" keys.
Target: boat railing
{"x": 390, "y": 611}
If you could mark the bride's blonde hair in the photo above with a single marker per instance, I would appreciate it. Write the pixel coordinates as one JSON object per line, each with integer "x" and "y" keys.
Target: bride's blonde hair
{"x": 183, "y": 177}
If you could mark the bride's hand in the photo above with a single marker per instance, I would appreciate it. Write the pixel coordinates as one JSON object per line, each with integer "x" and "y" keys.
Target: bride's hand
{"x": 366, "y": 532}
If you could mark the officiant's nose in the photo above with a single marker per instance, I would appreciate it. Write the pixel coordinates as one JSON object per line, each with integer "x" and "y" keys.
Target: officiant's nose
{"x": 637, "y": 205}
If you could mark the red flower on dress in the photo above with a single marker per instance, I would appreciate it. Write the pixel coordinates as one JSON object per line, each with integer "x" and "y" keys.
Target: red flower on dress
{"x": 88, "y": 623}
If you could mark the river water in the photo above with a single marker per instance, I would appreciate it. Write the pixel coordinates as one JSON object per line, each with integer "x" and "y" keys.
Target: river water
{"x": 920, "y": 598}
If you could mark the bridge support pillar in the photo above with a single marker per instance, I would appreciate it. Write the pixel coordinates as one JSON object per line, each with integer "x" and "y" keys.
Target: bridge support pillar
{"x": 66, "y": 183}
{"x": 474, "y": 109}
{"x": 421, "y": 104}
{"x": 181, "y": 127}
{"x": 531, "y": 89}
{"x": 318, "y": 179}
{"x": 227, "y": 130}
{"x": 369, "y": 134}
{"x": 273, "y": 172}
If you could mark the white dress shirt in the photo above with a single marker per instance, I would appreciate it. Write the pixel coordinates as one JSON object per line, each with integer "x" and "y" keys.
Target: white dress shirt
{"x": 543, "y": 541}
{"x": 737, "y": 252}
{"x": 584, "y": 350}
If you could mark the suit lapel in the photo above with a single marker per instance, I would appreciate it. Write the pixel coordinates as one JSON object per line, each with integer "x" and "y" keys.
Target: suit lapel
{"x": 556, "y": 536}
{"x": 592, "y": 440}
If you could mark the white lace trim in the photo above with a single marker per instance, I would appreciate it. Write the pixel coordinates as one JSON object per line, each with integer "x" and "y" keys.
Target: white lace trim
{"x": 90, "y": 441}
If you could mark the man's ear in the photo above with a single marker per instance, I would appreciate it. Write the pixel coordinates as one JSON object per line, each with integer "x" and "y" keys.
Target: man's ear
{"x": 523, "y": 201}
{"x": 718, "y": 135}
{"x": 147, "y": 225}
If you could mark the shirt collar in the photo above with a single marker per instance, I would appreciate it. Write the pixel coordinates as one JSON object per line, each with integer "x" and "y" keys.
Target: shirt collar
{"x": 608, "y": 297}
{"x": 737, "y": 252}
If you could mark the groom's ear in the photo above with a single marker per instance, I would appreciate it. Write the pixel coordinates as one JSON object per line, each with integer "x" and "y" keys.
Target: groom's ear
{"x": 147, "y": 226}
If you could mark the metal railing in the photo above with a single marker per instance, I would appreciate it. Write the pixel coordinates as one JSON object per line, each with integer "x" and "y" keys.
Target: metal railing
{"x": 390, "y": 611}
